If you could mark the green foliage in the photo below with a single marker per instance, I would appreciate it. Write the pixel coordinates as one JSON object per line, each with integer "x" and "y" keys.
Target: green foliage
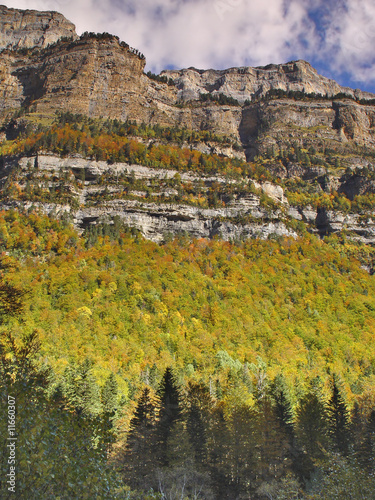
{"x": 246, "y": 330}
{"x": 211, "y": 306}
{"x": 168, "y": 418}
{"x": 299, "y": 95}
{"x": 342, "y": 479}
{"x": 109, "y": 394}
{"x": 221, "y": 99}
{"x": 338, "y": 416}
{"x": 59, "y": 453}
{"x": 160, "y": 78}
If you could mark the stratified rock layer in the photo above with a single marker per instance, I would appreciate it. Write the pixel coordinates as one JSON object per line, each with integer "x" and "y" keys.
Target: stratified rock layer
{"x": 31, "y": 28}
{"x": 45, "y": 67}
{"x": 243, "y": 83}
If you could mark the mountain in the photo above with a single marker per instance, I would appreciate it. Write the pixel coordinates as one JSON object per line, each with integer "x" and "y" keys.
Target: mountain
{"x": 187, "y": 299}
{"x": 295, "y": 122}
{"x": 22, "y": 29}
{"x": 98, "y": 75}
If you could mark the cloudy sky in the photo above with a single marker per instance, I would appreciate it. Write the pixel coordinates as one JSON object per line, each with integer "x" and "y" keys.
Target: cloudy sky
{"x": 336, "y": 36}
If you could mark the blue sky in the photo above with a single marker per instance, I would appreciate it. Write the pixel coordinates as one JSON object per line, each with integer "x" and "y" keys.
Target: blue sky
{"x": 336, "y": 36}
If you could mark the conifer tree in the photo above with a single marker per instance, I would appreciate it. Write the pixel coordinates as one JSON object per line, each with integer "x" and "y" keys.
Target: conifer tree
{"x": 241, "y": 458}
{"x": 272, "y": 445}
{"x": 368, "y": 449}
{"x": 198, "y": 407}
{"x": 283, "y": 405}
{"x": 69, "y": 464}
{"x": 357, "y": 431}
{"x": 285, "y": 418}
{"x": 82, "y": 390}
{"x": 218, "y": 448}
{"x": 169, "y": 415}
{"x": 311, "y": 432}
{"x": 110, "y": 394}
{"x": 338, "y": 420}
{"x": 137, "y": 459}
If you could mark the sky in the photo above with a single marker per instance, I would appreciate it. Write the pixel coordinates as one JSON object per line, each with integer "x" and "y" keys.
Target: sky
{"x": 336, "y": 36}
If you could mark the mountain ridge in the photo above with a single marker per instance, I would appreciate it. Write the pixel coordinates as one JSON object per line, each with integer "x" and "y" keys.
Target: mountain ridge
{"x": 313, "y": 138}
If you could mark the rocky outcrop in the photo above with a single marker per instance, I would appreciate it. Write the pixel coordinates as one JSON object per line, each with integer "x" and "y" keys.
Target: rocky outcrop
{"x": 243, "y": 217}
{"x": 21, "y": 29}
{"x": 98, "y": 75}
{"x": 341, "y": 126}
{"x": 45, "y": 67}
{"x": 245, "y": 83}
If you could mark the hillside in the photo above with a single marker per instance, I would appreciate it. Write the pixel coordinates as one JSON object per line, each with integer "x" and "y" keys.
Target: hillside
{"x": 187, "y": 295}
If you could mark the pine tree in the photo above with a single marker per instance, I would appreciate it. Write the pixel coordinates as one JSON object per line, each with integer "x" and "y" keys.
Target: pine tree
{"x": 368, "y": 448}
{"x": 169, "y": 415}
{"x": 272, "y": 444}
{"x": 199, "y": 404}
{"x": 61, "y": 440}
{"x": 338, "y": 420}
{"x": 285, "y": 418}
{"x": 283, "y": 405}
{"x": 358, "y": 431}
{"x": 110, "y": 394}
{"x": 218, "y": 448}
{"x": 137, "y": 459}
{"x": 82, "y": 390}
{"x": 241, "y": 457}
{"x": 312, "y": 424}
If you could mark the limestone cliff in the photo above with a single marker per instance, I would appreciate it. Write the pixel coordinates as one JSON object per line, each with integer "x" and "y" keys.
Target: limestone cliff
{"x": 31, "y": 28}
{"x": 244, "y": 83}
{"x": 45, "y": 67}
{"x": 156, "y": 213}
{"x": 98, "y": 75}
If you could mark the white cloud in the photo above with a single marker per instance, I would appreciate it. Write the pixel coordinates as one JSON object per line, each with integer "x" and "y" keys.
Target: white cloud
{"x": 223, "y": 33}
{"x": 350, "y": 40}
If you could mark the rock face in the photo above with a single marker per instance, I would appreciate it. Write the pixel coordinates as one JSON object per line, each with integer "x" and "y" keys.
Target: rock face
{"x": 340, "y": 125}
{"x": 45, "y": 67}
{"x": 31, "y": 28}
{"x": 99, "y": 76}
{"x": 244, "y": 83}
{"x": 243, "y": 217}
{"x": 154, "y": 220}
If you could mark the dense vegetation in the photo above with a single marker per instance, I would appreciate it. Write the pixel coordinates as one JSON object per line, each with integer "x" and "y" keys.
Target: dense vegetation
{"x": 158, "y": 147}
{"x": 218, "y": 369}
{"x": 299, "y": 95}
{"x": 112, "y": 141}
{"x": 192, "y": 369}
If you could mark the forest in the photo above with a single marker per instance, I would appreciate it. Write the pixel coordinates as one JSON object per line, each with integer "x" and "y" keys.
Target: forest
{"x": 191, "y": 369}
{"x": 176, "y": 148}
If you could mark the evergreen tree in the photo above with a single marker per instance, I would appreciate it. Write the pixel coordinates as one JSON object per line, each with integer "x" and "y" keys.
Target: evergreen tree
{"x": 199, "y": 404}
{"x": 285, "y": 418}
{"x": 218, "y": 449}
{"x": 283, "y": 405}
{"x": 358, "y": 431}
{"x": 272, "y": 444}
{"x": 311, "y": 431}
{"x": 338, "y": 420}
{"x": 312, "y": 425}
{"x": 368, "y": 448}
{"x": 241, "y": 460}
{"x": 110, "y": 394}
{"x": 137, "y": 461}
{"x": 169, "y": 415}
{"x": 59, "y": 453}
{"x": 82, "y": 390}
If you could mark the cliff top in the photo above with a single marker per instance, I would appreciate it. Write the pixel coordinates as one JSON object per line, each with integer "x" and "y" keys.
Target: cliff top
{"x": 32, "y": 28}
